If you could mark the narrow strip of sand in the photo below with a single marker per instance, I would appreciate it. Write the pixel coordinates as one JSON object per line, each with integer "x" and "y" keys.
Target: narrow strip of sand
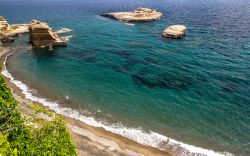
{"x": 89, "y": 140}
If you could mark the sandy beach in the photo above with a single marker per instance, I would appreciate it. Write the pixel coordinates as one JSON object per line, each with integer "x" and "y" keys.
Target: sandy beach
{"x": 89, "y": 140}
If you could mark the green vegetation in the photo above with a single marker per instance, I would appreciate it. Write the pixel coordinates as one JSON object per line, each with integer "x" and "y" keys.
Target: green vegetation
{"x": 39, "y": 109}
{"x": 34, "y": 135}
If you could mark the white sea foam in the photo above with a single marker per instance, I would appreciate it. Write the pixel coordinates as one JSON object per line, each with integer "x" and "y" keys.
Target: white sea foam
{"x": 129, "y": 24}
{"x": 67, "y": 38}
{"x": 63, "y": 30}
{"x": 137, "y": 134}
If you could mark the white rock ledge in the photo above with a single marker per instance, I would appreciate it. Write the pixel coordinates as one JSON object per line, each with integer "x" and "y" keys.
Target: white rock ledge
{"x": 175, "y": 31}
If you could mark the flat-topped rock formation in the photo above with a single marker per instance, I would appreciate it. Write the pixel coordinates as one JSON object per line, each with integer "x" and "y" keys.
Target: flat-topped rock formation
{"x": 138, "y": 15}
{"x": 41, "y": 35}
{"x": 175, "y": 31}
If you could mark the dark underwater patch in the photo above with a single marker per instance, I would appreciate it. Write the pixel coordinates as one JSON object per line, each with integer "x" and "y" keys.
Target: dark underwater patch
{"x": 84, "y": 56}
{"x": 199, "y": 93}
{"x": 130, "y": 58}
{"x": 163, "y": 81}
{"x": 88, "y": 58}
{"x": 123, "y": 53}
{"x": 228, "y": 87}
{"x": 151, "y": 60}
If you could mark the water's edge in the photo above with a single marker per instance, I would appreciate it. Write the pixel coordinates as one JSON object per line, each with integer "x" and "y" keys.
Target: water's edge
{"x": 152, "y": 139}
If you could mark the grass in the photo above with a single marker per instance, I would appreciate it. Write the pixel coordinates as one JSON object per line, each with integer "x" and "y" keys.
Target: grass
{"x": 34, "y": 135}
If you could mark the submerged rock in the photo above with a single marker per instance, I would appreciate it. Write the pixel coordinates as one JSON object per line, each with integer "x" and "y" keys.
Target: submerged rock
{"x": 41, "y": 35}
{"x": 138, "y": 15}
{"x": 175, "y": 31}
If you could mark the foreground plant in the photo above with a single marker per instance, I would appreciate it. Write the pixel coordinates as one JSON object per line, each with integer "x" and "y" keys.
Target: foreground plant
{"x": 34, "y": 135}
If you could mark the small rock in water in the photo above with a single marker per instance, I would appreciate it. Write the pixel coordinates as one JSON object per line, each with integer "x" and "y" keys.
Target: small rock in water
{"x": 51, "y": 48}
{"x": 175, "y": 31}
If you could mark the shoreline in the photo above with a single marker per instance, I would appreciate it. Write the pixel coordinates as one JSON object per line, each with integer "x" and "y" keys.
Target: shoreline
{"x": 88, "y": 139}
{"x": 99, "y": 139}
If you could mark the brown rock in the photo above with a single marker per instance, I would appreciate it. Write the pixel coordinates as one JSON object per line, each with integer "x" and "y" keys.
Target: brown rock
{"x": 6, "y": 39}
{"x": 3, "y": 23}
{"x": 175, "y": 31}
{"x": 41, "y": 35}
{"x": 138, "y": 15}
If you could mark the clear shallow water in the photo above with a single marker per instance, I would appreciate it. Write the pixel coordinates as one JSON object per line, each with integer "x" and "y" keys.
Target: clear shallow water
{"x": 195, "y": 90}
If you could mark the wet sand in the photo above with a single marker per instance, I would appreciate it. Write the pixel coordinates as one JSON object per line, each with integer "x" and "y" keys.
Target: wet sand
{"x": 89, "y": 140}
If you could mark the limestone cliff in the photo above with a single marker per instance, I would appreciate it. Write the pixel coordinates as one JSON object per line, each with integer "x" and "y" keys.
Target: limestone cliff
{"x": 41, "y": 35}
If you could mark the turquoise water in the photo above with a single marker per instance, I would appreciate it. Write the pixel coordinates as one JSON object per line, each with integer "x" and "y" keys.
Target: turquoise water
{"x": 195, "y": 90}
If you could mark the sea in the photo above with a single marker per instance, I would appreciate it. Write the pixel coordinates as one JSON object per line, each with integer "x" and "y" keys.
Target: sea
{"x": 191, "y": 95}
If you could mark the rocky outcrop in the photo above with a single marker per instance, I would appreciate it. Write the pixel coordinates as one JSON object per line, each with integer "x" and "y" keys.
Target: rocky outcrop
{"x": 4, "y": 26}
{"x": 8, "y": 31}
{"x": 6, "y": 38}
{"x": 138, "y": 15}
{"x": 175, "y": 31}
{"x": 41, "y": 35}
{"x": 3, "y": 23}
{"x": 16, "y": 30}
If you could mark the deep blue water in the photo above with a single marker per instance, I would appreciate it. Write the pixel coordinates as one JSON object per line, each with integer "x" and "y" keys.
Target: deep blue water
{"x": 196, "y": 90}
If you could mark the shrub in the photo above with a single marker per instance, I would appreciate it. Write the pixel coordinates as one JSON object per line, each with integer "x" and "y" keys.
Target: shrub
{"x": 42, "y": 137}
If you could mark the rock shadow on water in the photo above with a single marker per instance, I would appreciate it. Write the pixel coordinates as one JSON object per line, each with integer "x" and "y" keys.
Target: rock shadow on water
{"x": 130, "y": 58}
{"x": 228, "y": 87}
{"x": 41, "y": 52}
{"x": 123, "y": 69}
{"x": 123, "y": 53}
{"x": 163, "y": 81}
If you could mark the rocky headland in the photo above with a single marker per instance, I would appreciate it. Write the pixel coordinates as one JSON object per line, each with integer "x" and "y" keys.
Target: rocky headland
{"x": 175, "y": 31}
{"x": 41, "y": 35}
{"x": 7, "y": 31}
{"x": 138, "y": 15}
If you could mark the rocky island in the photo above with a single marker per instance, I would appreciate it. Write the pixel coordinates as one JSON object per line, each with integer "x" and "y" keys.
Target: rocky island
{"x": 138, "y": 15}
{"x": 41, "y": 35}
{"x": 174, "y": 31}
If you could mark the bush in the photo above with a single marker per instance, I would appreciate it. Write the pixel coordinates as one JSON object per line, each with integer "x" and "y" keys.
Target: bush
{"x": 31, "y": 136}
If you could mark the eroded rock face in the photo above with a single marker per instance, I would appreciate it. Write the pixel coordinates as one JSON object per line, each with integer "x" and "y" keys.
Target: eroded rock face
{"x": 41, "y": 35}
{"x": 175, "y": 31}
{"x": 138, "y": 15}
{"x": 3, "y": 23}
